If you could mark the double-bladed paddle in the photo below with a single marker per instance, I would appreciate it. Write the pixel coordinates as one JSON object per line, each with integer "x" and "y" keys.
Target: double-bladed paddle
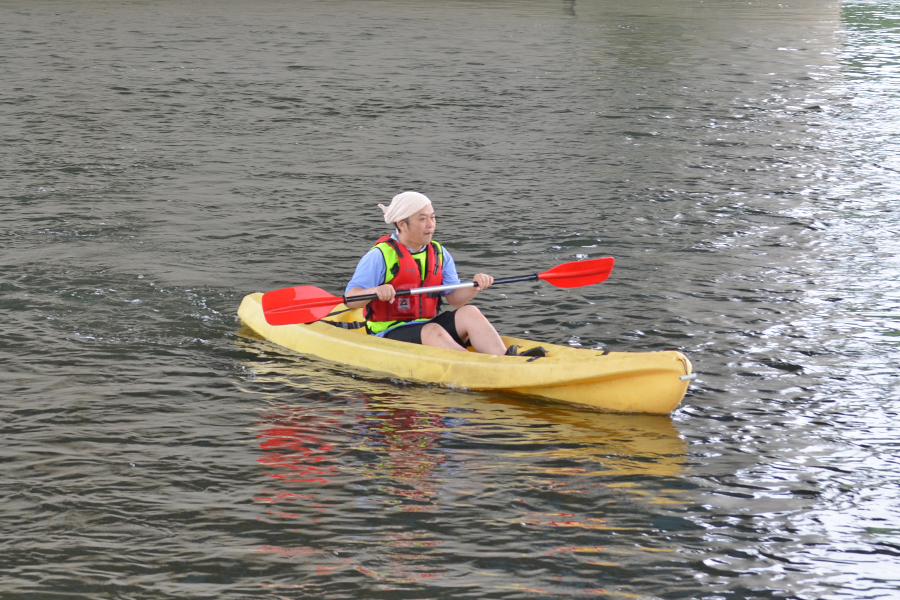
{"x": 305, "y": 303}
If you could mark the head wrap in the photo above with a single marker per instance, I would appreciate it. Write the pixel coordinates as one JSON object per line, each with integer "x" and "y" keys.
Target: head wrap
{"x": 404, "y": 206}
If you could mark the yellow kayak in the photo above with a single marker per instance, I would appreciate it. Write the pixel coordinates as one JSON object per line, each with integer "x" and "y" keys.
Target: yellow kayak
{"x": 637, "y": 382}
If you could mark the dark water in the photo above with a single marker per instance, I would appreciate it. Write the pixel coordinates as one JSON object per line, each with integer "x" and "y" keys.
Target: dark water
{"x": 159, "y": 160}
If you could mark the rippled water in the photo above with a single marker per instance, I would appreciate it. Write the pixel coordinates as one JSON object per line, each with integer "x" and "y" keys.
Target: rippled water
{"x": 160, "y": 160}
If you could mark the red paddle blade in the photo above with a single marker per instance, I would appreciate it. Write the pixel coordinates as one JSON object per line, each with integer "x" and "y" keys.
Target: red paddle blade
{"x": 579, "y": 273}
{"x": 300, "y": 304}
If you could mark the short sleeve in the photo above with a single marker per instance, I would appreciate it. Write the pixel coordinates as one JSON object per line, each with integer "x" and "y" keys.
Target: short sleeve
{"x": 450, "y": 276}
{"x": 369, "y": 272}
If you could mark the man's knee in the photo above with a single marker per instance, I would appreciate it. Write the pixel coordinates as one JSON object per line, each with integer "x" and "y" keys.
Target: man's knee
{"x": 469, "y": 311}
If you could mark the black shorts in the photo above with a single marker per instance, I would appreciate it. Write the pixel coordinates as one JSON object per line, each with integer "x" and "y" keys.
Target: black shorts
{"x": 413, "y": 333}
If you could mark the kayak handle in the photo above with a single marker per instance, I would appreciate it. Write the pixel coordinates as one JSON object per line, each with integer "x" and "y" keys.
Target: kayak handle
{"x": 688, "y": 377}
{"x": 441, "y": 288}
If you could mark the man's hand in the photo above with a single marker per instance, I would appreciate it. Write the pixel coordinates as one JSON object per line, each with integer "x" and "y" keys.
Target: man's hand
{"x": 483, "y": 281}
{"x": 385, "y": 292}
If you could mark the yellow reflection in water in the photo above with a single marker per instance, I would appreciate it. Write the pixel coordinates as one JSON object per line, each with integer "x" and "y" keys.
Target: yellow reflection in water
{"x": 608, "y": 444}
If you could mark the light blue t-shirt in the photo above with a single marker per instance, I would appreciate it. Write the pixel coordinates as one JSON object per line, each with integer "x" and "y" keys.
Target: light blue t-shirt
{"x": 371, "y": 270}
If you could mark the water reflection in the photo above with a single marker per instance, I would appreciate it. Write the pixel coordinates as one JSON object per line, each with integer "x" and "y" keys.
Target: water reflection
{"x": 337, "y": 446}
{"x": 309, "y": 464}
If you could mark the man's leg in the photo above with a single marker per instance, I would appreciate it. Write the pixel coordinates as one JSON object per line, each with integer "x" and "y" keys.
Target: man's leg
{"x": 472, "y": 326}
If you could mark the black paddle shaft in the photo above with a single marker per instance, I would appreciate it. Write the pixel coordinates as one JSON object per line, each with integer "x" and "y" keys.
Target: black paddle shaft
{"x": 517, "y": 279}
{"x": 441, "y": 288}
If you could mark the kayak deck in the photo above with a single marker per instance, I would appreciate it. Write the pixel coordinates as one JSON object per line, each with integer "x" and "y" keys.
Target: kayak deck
{"x": 641, "y": 382}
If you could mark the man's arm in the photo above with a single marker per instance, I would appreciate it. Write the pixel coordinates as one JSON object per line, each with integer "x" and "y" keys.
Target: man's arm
{"x": 458, "y": 298}
{"x": 366, "y": 279}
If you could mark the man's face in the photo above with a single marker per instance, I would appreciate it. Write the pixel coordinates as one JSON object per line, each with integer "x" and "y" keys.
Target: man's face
{"x": 420, "y": 227}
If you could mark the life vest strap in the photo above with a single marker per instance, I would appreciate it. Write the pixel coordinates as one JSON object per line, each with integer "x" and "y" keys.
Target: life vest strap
{"x": 347, "y": 325}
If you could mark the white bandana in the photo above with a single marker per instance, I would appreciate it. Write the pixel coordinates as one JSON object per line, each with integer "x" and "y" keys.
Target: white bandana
{"x": 404, "y": 206}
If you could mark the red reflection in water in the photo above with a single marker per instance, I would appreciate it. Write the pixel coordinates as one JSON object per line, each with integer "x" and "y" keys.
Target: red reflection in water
{"x": 297, "y": 451}
{"x": 301, "y": 454}
{"x": 295, "y": 455}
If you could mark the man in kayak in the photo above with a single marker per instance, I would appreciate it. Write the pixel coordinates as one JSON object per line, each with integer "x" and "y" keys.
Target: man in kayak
{"x": 409, "y": 259}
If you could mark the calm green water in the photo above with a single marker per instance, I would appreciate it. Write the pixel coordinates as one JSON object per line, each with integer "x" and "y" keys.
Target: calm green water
{"x": 158, "y": 161}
